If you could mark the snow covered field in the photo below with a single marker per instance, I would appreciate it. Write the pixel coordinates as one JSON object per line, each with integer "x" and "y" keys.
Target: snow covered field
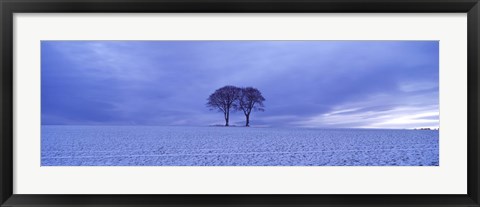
{"x": 235, "y": 146}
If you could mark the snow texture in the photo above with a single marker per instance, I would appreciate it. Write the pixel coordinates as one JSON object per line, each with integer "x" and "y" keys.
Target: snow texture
{"x": 235, "y": 146}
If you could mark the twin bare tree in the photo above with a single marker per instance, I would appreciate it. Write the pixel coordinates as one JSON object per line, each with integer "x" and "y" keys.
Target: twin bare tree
{"x": 246, "y": 99}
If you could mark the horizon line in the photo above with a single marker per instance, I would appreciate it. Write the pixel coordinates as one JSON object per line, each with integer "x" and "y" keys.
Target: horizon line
{"x": 242, "y": 126}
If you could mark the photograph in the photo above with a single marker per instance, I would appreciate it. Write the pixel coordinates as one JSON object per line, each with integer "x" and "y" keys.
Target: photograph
{"x": 239, "y": 103}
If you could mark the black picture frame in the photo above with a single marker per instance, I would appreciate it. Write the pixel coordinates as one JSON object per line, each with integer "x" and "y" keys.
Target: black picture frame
{"x": 9, "y": 7}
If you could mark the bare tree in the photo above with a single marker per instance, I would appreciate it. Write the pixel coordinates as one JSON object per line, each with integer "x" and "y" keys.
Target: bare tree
{"x": 223, "y": 99}
{"x": 249, "y": 99}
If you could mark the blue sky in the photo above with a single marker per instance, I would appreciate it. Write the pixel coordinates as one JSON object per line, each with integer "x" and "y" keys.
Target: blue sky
{"x": 352, "y": 84}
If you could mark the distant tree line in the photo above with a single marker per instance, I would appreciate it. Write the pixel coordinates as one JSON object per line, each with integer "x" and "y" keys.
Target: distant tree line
{"x": 244, "y": 99}
{"x": 426, "y": 128}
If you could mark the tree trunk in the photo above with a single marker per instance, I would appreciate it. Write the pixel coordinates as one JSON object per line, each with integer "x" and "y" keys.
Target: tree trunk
{"x": 247, "y": 124}
{"x": 226, "y": 118}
